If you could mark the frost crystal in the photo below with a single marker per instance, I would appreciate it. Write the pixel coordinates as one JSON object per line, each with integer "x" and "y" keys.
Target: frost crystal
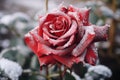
{"x": 12, "y": 69}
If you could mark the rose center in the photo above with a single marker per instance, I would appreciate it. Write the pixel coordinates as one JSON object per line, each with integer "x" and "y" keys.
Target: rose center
{"x": 58, "y": 25}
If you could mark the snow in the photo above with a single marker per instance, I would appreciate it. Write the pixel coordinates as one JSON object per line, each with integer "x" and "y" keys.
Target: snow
{"x": 100, "y": 22}
{"x": 5, "y": 43}
{"x": 101, "y": 69}
{"x": 106, "y": 11}
{"x": 12, "y": 69}
{"x": 6, "y": 20}
{"x": 3, "y": 30}
{"x": 10, "y": 20}
{"x": 117, "y": 15}
{"x": 90, "y": 29}
{"x": 93, "y": 3}
{"x": 20, "y": 15}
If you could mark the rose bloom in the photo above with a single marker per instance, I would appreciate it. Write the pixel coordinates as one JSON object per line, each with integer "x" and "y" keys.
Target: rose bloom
{"x": 66, "y": 36}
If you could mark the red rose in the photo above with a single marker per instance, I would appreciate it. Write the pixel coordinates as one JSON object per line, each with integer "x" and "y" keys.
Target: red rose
{"x": 66, "y": 36}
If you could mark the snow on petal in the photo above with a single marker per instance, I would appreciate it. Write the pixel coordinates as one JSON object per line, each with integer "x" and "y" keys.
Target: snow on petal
{"x": 101, "y": 32}
{"x": 85, "y": 41}
{"x": 91, "y": 55}
{"x": 64, "y": 15}
{"x": 81, "y": 58}
{"x": 30, "y": 41}
{"x": 46, "y": 50}
{"x": 70, "y": 41}
{"x": 71, "y": 31}
{"x": 75, "y": 16}
{"x": 37, "y": 37}
{"x": 54, "y": 42}
{"x": 63, "y": 51}
{"x": 84, "y": 15}
{"x": 47, "y": 33}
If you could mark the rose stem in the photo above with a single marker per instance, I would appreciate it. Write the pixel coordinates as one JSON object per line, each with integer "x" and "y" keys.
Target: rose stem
{"x": 47, "y": 73}
{"x": 46, "y": 5}
{"x": 60, "y": 72}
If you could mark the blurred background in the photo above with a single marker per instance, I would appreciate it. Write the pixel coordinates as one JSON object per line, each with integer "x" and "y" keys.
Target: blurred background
{"x": 17, "y": 17}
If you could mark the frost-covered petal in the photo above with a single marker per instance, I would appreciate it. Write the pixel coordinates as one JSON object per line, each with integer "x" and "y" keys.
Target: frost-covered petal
{"x": 91, "y": 55}
{"x": 45, "y": 60}
{"x": 30, "y": 41}
{"x": 45, "y": 50}
{"x": 65, "y": 60}
{"x": 48, "y": 33}
{"x": 37, "y": 37}
{"x": 75, "y": 16}
{"x": 49, "y": 17}
{"x": 53, "y": 42}
{"x": 101, "y": 32}
{"x": 84, "y": 15}
{"x": 68, "y": 43}
{"x": 85, "y": 41}
{"x": 71, "y": 31}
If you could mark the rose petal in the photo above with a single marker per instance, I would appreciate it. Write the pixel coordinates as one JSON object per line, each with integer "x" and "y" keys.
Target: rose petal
{"x": 30, "y": 41}
{"x": 63, "y": 51}
{"x": 45, "y": 37}
{"x": 70, "y": 41}
{"x": 45, "y": 50}
{"x": 91, "y": 55}
{"x": 53, "y": 41}
{"x": 45, "y": 60}
{"x": 72, "y": 9}
{"x": 86, "y": 40}
{"x": 80, "y": 58}
{"x": 71, "y": 31}
{"x": 62, "y": 8}
{"x": 56, "y": 31}
{"x": 39, "y": 39}
{"x": 42, "y": 21}
{"x": 57, "y": 42}
{"x": 66, "y": 60}
{"x": 101, "y": 33}
{"x": 84, "y": 15}
{"x": 75, "y": 16}
{"x": 47, "y": 33}
{"x": 58, "y": 13}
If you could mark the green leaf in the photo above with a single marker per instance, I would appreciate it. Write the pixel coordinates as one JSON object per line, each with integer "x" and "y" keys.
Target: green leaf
{"x": 34, "y": 63}
{"x": 68, "y": 76}
{"x": 93, "y": 17}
